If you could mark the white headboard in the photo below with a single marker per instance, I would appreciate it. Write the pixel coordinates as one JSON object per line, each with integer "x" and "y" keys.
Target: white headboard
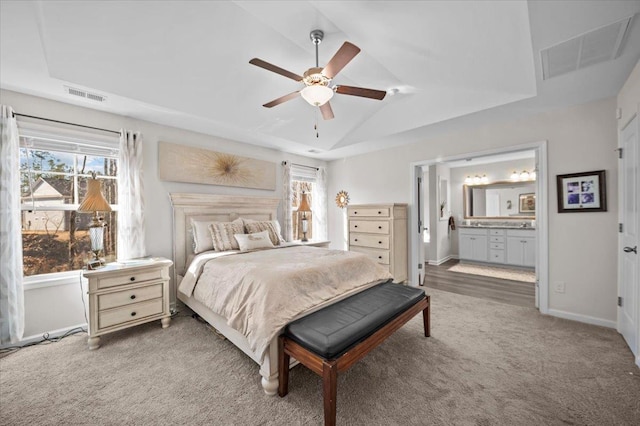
{"x": 219, "y": 208}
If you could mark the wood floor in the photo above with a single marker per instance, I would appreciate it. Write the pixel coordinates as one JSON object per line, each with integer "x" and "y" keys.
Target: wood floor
{"x": 505, "y": 291}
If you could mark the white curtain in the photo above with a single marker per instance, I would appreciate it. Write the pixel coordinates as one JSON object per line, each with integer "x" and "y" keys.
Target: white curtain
{"x": 287, "y": 200}
{"x": 131, "y": 230}
{"x": 319, "y": 205}
{"x": 11, "y": 291}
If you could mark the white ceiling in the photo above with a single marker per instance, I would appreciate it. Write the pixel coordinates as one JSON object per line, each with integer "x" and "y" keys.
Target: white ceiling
{"x": 186, "y": 64}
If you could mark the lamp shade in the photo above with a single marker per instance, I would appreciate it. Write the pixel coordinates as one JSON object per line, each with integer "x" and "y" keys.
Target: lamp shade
{"x": 316, "y": 95}
{"x": 304, "y": 203}
{"x": 94, "y": 201}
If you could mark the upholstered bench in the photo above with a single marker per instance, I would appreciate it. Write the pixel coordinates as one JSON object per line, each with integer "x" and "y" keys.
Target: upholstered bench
{"x": 334, "y": 338}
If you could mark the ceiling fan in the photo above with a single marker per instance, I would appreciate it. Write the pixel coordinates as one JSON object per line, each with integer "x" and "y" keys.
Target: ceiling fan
{"x": 317, "y": 89}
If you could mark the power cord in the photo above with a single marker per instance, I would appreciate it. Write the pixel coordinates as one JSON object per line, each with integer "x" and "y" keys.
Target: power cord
{"x": 45, "y": 340}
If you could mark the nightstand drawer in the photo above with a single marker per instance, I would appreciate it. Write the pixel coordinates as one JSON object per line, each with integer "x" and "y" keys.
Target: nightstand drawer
{"x": 129, "y": 278}
{"x": 364, "y": 240}
{"x": 380, "y": 256}
{"x": 373, "y": 226}
{"x": 128, "y": 313}
{"x": 369, "y": 212}
{"x": 127, "y": 297}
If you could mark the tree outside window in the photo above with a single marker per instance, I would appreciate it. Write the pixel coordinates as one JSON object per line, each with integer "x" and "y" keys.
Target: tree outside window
{"x": 55, "y": 236}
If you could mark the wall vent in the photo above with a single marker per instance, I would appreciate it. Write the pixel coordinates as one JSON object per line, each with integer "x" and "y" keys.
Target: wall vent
{"x": 600, "y": 45}
{"x": 84, "y": 94}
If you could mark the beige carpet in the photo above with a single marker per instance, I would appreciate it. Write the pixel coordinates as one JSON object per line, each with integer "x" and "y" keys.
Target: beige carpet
{"x": 495, "y": 272}
{"x": 486, "y": 364}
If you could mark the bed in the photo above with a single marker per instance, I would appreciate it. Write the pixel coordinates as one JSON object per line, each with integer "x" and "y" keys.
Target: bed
{"x": 201, "y": 294}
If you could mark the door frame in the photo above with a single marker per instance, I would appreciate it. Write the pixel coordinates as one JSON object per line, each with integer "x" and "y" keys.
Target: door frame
{"x": 620, "y": 237}
{"x": 542, "y": 214}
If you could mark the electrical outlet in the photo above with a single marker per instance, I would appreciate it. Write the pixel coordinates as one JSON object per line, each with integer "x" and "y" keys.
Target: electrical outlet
{"x": 559, "y": 286}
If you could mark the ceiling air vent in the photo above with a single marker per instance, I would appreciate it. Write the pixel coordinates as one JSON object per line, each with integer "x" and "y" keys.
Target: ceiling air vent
{"x": 314, "y": 151}
{"x": 84, "y": 94}
{"x": 600, "y": 45}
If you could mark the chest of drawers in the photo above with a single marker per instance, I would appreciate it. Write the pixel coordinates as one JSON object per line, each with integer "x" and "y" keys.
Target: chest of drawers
{"x": 125, "y": 295}
{"x": 380, "y": 231}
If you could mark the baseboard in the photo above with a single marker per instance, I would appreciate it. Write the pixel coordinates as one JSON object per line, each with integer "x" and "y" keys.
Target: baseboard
{"x": 638, "y": 361}
{"x": 440, "y": 261}
{"x": 582, "y": 318}
{"x": 38, "y": 337}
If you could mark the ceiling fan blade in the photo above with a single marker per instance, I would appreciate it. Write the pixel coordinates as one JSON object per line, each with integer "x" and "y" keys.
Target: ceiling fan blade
{"x": 343, "y": 56}
{"x": 362, "y": 92}
{"x": 281, "y": 99}
{"x": 327, "y": 112}
{"x": 270, "y": 67}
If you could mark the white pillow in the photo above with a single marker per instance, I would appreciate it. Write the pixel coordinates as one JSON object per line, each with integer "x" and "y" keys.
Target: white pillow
{"x": 202, "y": 240}
{"x": 258, "y": 240}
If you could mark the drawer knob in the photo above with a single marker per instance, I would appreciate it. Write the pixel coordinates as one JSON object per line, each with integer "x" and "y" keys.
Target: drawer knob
{"x": 355, "y": 212}
{"x": 379, "y": 212}
{"x": 379, "y": 227}
{"x": 379, "y": 257}
{"x": 355, "y": 239}
{"x": 133, "y": 296}
{"x": 133, "y": 314}
{"x": 132, "y": 279}
{"x": 379, "y": 242}
{"x": 355, "y": 226}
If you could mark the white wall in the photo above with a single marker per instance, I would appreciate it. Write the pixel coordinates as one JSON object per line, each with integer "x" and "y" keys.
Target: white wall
{"x": 158, "y": 212}
{"x": 581, "y": 138}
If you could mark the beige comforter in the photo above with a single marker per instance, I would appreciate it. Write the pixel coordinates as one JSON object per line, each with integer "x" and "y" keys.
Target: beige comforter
{"x": 260, "y": 292}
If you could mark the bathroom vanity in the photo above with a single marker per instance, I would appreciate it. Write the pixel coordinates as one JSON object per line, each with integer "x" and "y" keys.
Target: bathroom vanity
{"x": 512, "y": 245}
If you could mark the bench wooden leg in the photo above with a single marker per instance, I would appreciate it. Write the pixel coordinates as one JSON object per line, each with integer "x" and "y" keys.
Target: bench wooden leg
{"x": 329, "y": 389}
{"x": 283, "y": 368}
{"x": 426, "y": 318}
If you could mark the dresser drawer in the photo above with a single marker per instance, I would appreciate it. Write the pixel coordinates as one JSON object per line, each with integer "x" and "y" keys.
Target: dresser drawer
{"x": 131, "y": 277}
{"x": 373, "y": 226}
{"x": 496, "y": 256}
{"x": 127, "y": 297}
{"x": 369, "y": 212}
{"x": 496, "y": 239}
{"x": 380, "y": 256}
{"x": 498, "y": 232}
{"x": 365, "y": 240}
{"x": 128, "y": 313}
{"x": 496, "y": 246}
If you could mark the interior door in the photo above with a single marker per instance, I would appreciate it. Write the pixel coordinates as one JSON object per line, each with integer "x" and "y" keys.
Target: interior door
{"x": 629, "y": 260}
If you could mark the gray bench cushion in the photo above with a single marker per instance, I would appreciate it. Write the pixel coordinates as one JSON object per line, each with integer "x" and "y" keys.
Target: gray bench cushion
{"x": 333, "y": 330}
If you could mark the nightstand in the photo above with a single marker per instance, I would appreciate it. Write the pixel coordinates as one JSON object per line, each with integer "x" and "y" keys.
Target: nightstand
{"x": 122, "y": 295}
{"x": 314, "y": 243}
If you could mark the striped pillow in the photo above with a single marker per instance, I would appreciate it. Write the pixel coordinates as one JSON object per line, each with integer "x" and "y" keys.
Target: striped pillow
{"x": 223, "y": 234}
{"x": 272, "y": 226}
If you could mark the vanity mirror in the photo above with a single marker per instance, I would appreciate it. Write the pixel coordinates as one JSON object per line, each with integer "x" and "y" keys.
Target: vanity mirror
{"x": 499, "y": 200}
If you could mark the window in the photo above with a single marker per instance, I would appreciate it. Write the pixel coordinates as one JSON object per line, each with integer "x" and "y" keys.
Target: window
{"x": 53, "y": 178}
{"x": 302, "y": 179}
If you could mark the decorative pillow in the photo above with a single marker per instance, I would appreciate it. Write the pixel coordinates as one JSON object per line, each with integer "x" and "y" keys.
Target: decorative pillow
{"x": 258, "y": 240}
{"x": 272, "y": 226}
{"x": 222, "y": 234}
{"x": 201, "y": 236}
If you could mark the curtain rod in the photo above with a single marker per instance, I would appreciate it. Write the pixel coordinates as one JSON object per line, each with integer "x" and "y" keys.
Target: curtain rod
{"x": 284, "y": 163}
{"x": 15, "y": 114}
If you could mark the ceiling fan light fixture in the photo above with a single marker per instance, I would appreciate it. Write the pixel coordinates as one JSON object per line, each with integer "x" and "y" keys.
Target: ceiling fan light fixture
{"x": 317, "y": 95}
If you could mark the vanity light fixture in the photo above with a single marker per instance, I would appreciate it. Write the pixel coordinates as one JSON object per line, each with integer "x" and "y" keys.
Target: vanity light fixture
{"x": 468, "y": 180}
{"x": 515, "y": 175}
{"x": 477, "y": 180}
{"x": 484, "y": 180}
{"x": 524, "y": 175}
{"x": 532, "y": 175}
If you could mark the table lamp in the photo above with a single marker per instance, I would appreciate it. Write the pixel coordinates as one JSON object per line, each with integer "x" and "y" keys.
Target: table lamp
{"x": 95, "y": 202}
{"x": 304, "y": 208}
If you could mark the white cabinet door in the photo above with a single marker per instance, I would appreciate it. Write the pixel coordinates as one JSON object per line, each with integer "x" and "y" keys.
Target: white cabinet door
{"x": 514, "y": 251}
{"x": 529, "y": 252}
{"x": 480, "y": 248}
{"x": 466, "y": 246}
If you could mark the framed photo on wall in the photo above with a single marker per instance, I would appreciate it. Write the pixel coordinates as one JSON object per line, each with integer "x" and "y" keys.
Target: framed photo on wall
{"x": 582, "y": 192}
{"x": 527, "y": 203}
